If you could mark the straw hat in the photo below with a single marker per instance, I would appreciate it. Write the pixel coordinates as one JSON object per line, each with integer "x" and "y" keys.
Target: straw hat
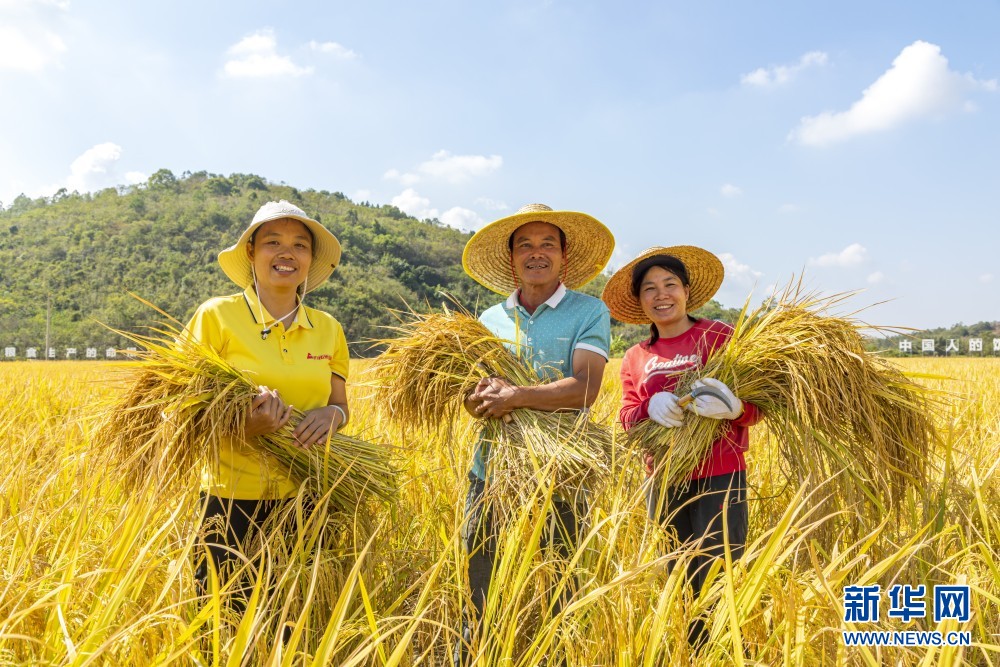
{"x": 705, "y": 274}
{"x": 588, "y": 247}
{"x": 326, "y": 248}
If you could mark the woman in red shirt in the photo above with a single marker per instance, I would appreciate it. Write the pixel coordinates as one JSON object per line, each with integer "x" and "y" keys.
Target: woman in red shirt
{"x": 661, "y": 287}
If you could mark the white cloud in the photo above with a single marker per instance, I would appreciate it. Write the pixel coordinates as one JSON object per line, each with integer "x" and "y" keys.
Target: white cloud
{"x": 10, "y": 190}
{"x": 27, "y": 4}
{"x": 333, "y": 48}
{"x": 852, "y": 255}
{"x": 876, "y": 278}
{"x": 90, "y": 171}
{"x": 29, "y": 50}
{"x": 729, "y": 190}
{"x": 361, "y": 195}
{"x": 444, "y": 166}
{"x": 405, "y": 178}
{"x": 918, "y": 84}
{"x": 714, "y": 212}
{"x": 262, "y": 41}
{"x": 986, "y": 278}
{"x": 462, "y": 218}
{"x": 459, "y": 168}
{"x": 27, "y": 40}
{"x": 788, "y": 208}
{"x": 491, "y": 204}
{"x": 737, "y": 271}
{"x": 620, "y": 256}
{"x": 410, "y": 202}
{"x": 779, "y": 75}
{"x": 96, "y": 168}
{"x": 256, "y": 56}
{"x": 16, "y": 188}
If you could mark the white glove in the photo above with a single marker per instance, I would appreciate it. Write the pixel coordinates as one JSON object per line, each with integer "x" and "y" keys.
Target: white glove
{"x": 663, "y": 409}
{"x": 714, "y": 399}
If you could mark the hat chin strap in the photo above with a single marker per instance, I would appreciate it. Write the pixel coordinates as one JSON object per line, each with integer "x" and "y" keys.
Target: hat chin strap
{"x": 565, "y": 270}
{"x": 266, "y": 330}
{"x": 513, "y": 273}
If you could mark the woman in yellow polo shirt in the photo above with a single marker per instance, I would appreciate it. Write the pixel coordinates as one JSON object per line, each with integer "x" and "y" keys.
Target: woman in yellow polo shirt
{"x": 298, "y": 356}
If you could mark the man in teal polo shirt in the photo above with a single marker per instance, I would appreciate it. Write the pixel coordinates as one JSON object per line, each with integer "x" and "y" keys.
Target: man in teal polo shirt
{"x": 536, "y": 256}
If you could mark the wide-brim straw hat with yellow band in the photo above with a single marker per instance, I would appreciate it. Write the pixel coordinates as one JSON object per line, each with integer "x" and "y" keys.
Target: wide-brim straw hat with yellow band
{"x": 705, "y": 274}
{"x": 235, "y": 261}
{"x": 589, "y": 245}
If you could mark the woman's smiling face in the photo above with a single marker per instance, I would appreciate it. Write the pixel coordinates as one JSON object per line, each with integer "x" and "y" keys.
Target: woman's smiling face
{"x": 281, "y": 253}
{"x": 663, "y": 297}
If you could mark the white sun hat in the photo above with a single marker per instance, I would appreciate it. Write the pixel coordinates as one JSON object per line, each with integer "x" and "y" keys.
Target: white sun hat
{"x": 235, "y": 261}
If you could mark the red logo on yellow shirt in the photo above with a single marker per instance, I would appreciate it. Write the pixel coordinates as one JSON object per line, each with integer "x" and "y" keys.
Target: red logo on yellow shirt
{"x": 310, "y": 355}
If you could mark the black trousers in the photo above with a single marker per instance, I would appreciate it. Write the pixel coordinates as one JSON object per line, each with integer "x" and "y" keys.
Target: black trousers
{"x": 229, "y": 532}
{"x": 695, "y": 514}
{"x": 479, "y": 532}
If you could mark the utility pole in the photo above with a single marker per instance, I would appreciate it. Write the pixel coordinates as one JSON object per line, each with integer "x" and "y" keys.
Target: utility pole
{"x": 48, "y": 320}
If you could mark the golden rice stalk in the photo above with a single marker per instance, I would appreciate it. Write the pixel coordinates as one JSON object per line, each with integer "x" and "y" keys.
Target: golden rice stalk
{"x": 832, "y": 405}
{"x": 185, "y": 401}
{"x": 420, "y": 382}
{"x": 534, "y": 448}
{"x": 435, "y": 360}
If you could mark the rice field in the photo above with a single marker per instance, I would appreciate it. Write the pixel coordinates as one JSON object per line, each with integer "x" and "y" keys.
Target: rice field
{"x": 97, "y": 568}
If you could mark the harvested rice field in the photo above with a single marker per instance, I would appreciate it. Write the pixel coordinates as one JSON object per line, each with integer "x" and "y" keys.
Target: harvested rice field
{"x": 97, "y": 561}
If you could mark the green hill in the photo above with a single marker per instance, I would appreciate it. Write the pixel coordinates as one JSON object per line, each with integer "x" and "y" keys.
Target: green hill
{"x": 81, "y": 254}
{"x": 73, "y": 259}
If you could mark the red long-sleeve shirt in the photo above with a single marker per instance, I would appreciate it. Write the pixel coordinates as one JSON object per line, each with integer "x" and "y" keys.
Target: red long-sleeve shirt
{"x": 648, "y": 369}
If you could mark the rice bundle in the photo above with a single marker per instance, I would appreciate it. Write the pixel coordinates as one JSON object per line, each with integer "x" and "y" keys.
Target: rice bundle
{"x": 185, "y": 401}
{"x": 424, "y": 375}
{"x": 833, "y": 406}
{"x": 535, "y": 446}
{"x": 436, "y": 359}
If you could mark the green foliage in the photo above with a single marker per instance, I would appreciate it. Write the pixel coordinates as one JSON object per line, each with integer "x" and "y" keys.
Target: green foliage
{"x": 960, "y": 333}
{"x": 82, "y": 254}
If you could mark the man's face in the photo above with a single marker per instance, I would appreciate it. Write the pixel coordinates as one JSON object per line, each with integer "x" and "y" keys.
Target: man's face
{"x": 537, "y": 254}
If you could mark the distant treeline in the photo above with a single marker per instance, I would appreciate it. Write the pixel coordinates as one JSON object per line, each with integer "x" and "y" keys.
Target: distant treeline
{"x": 974, "y": 340}
{"x": 72, "y": 259}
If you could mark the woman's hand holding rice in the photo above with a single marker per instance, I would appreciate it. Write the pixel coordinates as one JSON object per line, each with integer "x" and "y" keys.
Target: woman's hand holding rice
{"x": 715, "y": 400}
{"x": 318, "y": 424}
{"x": 664, "y": 410}
{"x": 268, "y": 413}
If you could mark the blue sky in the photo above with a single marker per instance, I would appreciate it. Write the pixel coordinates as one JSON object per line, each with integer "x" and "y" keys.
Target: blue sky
{"x": 856, "y": 141}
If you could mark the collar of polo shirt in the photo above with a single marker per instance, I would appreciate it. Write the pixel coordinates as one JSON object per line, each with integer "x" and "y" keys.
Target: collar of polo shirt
{"x": 301, "y": 317}
{"x": 551, "y": 302}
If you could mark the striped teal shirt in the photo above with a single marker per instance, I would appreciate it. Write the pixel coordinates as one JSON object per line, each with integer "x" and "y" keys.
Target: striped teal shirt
{"x": 547, "y": 338}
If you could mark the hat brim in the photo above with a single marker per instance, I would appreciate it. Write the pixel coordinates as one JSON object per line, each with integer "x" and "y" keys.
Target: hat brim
{"x": 589, "y": 245}
{"x": 705, "y": 275}
{"x": 235, "y": 261}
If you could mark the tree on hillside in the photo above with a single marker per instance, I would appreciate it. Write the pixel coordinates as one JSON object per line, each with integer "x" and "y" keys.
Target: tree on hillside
{"x": 160, "y": 240}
